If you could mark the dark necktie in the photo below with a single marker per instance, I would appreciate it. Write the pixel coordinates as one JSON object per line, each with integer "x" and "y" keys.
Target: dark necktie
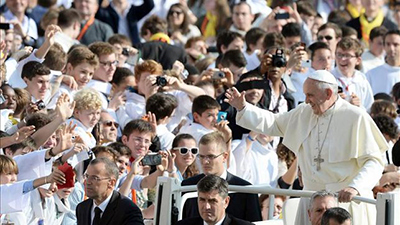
{"x": 97, "y": 212}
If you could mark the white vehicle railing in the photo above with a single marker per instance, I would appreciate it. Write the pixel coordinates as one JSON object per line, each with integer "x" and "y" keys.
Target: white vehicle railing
{"x": 170, "y": 202}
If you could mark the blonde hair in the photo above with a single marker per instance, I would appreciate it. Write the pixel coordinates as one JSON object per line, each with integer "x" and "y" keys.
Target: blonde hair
{"x": 87, "y": 99}
{"x": 8, "y": 165}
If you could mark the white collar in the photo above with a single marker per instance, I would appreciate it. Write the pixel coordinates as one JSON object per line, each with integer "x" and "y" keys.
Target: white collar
{"x": 218, "y": 223}
{"x": 224, "y": 175}
{"x": 102, "y": 205}
{"x": 101, "y": 86}
{"x": 80, "y": 124}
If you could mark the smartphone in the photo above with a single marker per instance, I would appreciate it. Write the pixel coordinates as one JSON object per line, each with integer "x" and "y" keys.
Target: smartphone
{"x": 340, "y": 89}
{"x": 151, "y": 159}
{"x": 221, "y": 116}
{"x": 282, "y": 16}
{"x": 218, "y": 75}
{"x": 125, "y": 52}
{"x": 306, "y": 63}
{"x": 6, "y": 26}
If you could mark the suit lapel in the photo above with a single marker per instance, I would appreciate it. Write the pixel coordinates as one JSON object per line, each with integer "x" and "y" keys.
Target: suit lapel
{"x": 110, "y": 209}
{"x": 89, "y": 211}
{"x": 227, "y": 220}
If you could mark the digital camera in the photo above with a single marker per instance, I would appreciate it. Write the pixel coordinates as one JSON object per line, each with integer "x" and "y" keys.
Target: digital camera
{"x": 279, "y": 59}
{"x": 161, "y": 81}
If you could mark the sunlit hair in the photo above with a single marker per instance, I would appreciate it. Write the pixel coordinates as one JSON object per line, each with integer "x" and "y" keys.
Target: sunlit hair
{"x": 87, "y": 99}
{"x": 150, "y": 66}
{"x": 8, "y": 165}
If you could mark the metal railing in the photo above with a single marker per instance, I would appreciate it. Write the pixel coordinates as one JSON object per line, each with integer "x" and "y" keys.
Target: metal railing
{"x": 170, "y": 201}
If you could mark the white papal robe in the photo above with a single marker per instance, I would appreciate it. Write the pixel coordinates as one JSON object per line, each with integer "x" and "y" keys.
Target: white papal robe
{"x": 351, "y": 151}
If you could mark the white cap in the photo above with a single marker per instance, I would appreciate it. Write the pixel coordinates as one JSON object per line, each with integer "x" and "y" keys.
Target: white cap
{"x": 323, "y": 76}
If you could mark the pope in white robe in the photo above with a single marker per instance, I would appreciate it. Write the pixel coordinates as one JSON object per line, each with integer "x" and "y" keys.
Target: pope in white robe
{"x": 338, "y": 145}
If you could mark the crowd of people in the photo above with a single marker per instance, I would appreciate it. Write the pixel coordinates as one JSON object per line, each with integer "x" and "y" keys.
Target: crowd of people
{"x": 100, "y": 98}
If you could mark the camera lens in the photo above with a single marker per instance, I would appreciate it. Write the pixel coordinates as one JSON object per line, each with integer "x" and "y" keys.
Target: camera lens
{"x": 41, "y": 105}
{"x": 161, "y": 81}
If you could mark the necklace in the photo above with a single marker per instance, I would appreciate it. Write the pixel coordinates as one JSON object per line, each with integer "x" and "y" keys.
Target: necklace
{"x": 318, "y": 160}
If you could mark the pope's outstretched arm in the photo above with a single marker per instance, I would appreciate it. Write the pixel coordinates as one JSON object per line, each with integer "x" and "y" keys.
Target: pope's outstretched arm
{"x": 254, "y": 118}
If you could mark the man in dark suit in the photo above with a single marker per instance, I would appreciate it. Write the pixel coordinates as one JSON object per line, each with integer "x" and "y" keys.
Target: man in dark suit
{"x": 212, "y": 202}
{"x": 213, "y": 154}
{"x": 105, "y": 206}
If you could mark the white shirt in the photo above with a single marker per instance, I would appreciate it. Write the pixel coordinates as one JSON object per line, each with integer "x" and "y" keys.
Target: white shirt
{"x": 259, "y": 165}
{"x": 383, "y": 77}
{"x": 252, "y": 60}
{"x": 357, "y": 84}
{"x": 370, "y": 61}
{"x": 102, "y": 206}
{"x": 298, "y": 80}
{"x": 15, "y": 79}
{"x": 218, "y": 223}
{"x": 104, "y": 89}
{"x": 122, "y": 20}
{"x": 28, "y": 24}
{"x": 165, "y": 136}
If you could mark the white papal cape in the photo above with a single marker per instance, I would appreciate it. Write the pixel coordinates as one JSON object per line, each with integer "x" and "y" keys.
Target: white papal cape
{"x": 351, "y": 151}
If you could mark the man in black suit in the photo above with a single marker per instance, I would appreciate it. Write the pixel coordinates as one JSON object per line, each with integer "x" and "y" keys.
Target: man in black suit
{"x": 105, "y": 206}
{"x": 213, "y": 154}
{"x": 212, "y": 202}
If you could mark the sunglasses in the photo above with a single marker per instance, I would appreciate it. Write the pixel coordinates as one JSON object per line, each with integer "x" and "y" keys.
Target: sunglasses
{"x": 109, "y": 123}
{"x": 327, "y": 37}
{"x": 185, "y": 150}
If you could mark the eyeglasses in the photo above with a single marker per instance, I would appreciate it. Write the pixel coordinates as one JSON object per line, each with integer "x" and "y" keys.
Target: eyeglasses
{"x": 344, "y": 56}
{"x": 109, "y": 123}
{"x": 141, "y": 140}
{"x": 185, "y": 150}
{"x": 108, "y": 64}
{"x": 173, "y": 12}
{"x": 327, "y": 37}
{"x": 93, "y": 178}
{"x": 209, "y": 157}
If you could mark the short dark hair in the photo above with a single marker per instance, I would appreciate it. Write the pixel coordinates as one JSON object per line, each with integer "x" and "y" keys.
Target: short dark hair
{"x": 122, "y": 149}
{"x": 273, "y": 39}
{"x": 180, "y": 137}
{"x": 338, "y": 214}
{"x": 225, "y": 38}
{"x": 204, "y": 102}
{"x": 33, "y": 68}
{"x": 316, "y": 46}
{"x": 111, "y": 167}
{"x": 155, "y": 25}
{"x": 306, "y": 8}
{"x": 56, "y": 57}
{"x": 211, "y": 183}
{"x": 396, "y": 91}
{"x": 332, "y": 26}
{"x": 161, "y": 104}
{"x": 386, "y": 125}
{"x": 253, "y": 35}
{"x": 137, "y": 125}
{"x": 378, "y": 32}
{"x": 235, "y": 57}
{"x": 120, "y": 74}
{"x": 38, "y": 120}
{"x": 348, "y": 31}
{"x": 339, "y": 17}
{"x": 99, "y": 149}
{"x": 67, "y": 17}
{"x": 119, "y": 39}
{"x": 291, "y": 30}
{"x": 391, "y": 32}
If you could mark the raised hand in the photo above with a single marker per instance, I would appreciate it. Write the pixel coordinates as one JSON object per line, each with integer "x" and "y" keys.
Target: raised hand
{"x": 23, "y": 133}
{"x": 64, "y": 108}
{"x": 65, "y": 134}
{"x": 118, "y": 100}
{"x": 235, "y": 99}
